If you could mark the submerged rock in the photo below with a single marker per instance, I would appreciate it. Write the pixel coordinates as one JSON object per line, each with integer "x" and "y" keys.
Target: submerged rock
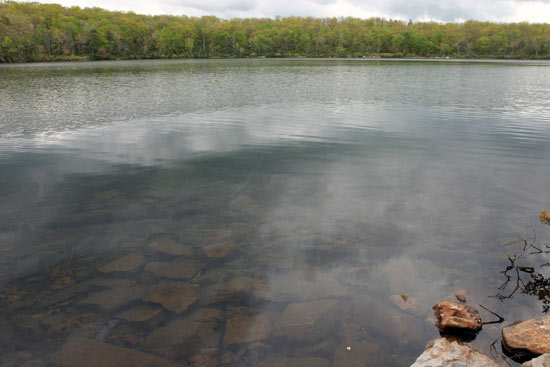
{"x": 247, "y": 329}
{"x": 83, "y": 352}
{"x": 380, "y": 319}
{"x": 26, "y": 267}
{"x": 531, "y": 336}
{"x": 156, "y": 229}
{"x": 308, "y": 321}
{"x": 197, "y": 330}
{"x": 219, "y": 250}
{"x": 234, "y": 288}
{"x": 407, "y": 304}
{"x": 445, "y": 353}
{"x": 171, "y": 247}
{"x": 140, "y": 313}
{"x": 203, "y": 235}
{"x": 542, "y": 361}
{"x": 115, "y": 298}
{"x": 62, "y": 295}
{"x": 358, "y": 354}
{"x": 173, "y": 296}
{"x": 107, "y": 195}
{"x": 295, "y": 362}
{"x": 364, "y": 353}
{"x": 452, "y": 317}
{"x": 6, "y": 331}
{"x": 126, "y": 263}
{"x": 181, "y": 270}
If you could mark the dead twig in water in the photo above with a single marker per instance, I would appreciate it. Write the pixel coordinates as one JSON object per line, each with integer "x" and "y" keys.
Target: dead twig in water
{"x": 500, "y": 318}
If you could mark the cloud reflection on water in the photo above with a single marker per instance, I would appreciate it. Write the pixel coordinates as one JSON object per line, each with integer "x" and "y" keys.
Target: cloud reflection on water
{"x": 357, "y": 202}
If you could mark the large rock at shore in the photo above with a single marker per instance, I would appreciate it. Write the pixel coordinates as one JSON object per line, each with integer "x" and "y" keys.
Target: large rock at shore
{"x": 542, "y": 361}
{"x": 82, "y": 352}
{"x": 452, "y": 316}
{"x": 532, "y": 336}
{"x": 445, "y": 353}
{"x": 173, "y": 296}
{"x": 308, "y": 321}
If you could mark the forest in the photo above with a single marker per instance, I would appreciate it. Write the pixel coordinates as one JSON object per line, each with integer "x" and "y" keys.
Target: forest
{"x": 31, "y": 32}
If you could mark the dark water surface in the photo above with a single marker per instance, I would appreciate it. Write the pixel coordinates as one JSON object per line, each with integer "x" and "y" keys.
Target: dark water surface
{"x": 236, "y": 212}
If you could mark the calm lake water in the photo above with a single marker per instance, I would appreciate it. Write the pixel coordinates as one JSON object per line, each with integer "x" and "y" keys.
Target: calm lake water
{"x": 237, "y": 212}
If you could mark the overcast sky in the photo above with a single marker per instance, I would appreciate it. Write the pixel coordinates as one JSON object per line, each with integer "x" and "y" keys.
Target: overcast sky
{"x": 439, "y": 10}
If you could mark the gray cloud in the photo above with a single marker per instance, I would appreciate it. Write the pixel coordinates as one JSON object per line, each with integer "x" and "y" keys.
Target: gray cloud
{"x": 444, "y": 10}
{"x": 214, "y": 6}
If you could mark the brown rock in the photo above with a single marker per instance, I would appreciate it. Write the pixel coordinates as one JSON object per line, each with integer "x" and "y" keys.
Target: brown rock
{"x": 140, "y": 313}
{"x": 219, "y": 250}
{"x": 307, "y": 322}
{"x": 236, "y": 287}
{"x": 114, "y": 298}
{"x": 173, "y": 296}
{"x": 542, "y": 361}
{"x": 126, "y": 263}
{"x": 206, "y": 315}
{"x": 196, "y": 330}
{"x": 252, "y": 353}
{"x": 206, "y": 357}
{"x": 82, "y": 352}
{"x": 246, "y": 329}
{"x": 462, "y": 296}
{"x": 455, "y": 316}
{"x": 532, "y": 335}
{"x": 171, "y": 247}
{"x": 295, "y": 362}
{"x": 181, "y": 270}
{"x": 446, "y": 353}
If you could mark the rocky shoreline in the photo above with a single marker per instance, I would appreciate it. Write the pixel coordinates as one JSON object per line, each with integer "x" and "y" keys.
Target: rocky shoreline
{"x": 176, "y": 302}
{"x": 527, "y": 342}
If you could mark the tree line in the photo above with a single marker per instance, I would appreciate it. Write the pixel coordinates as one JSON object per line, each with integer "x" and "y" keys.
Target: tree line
{"x": 49, "y": 32}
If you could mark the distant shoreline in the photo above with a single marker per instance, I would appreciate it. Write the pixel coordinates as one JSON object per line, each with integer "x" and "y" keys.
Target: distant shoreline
{"x": 366, "y": 58}
{"x": 34, "y": 32}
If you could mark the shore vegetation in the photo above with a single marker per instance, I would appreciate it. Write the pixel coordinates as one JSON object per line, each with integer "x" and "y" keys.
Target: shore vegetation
{"x": 32, "y": 32}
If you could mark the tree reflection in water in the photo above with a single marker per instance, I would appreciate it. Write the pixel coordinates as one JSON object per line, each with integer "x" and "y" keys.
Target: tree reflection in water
{"x": 528, "y": 280}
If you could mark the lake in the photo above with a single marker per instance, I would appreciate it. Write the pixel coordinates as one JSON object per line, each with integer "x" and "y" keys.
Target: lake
{"x": 265, "y": 212}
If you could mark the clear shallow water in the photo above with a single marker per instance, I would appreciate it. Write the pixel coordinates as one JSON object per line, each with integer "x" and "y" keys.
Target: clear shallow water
{"x": 346, "y": 181}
